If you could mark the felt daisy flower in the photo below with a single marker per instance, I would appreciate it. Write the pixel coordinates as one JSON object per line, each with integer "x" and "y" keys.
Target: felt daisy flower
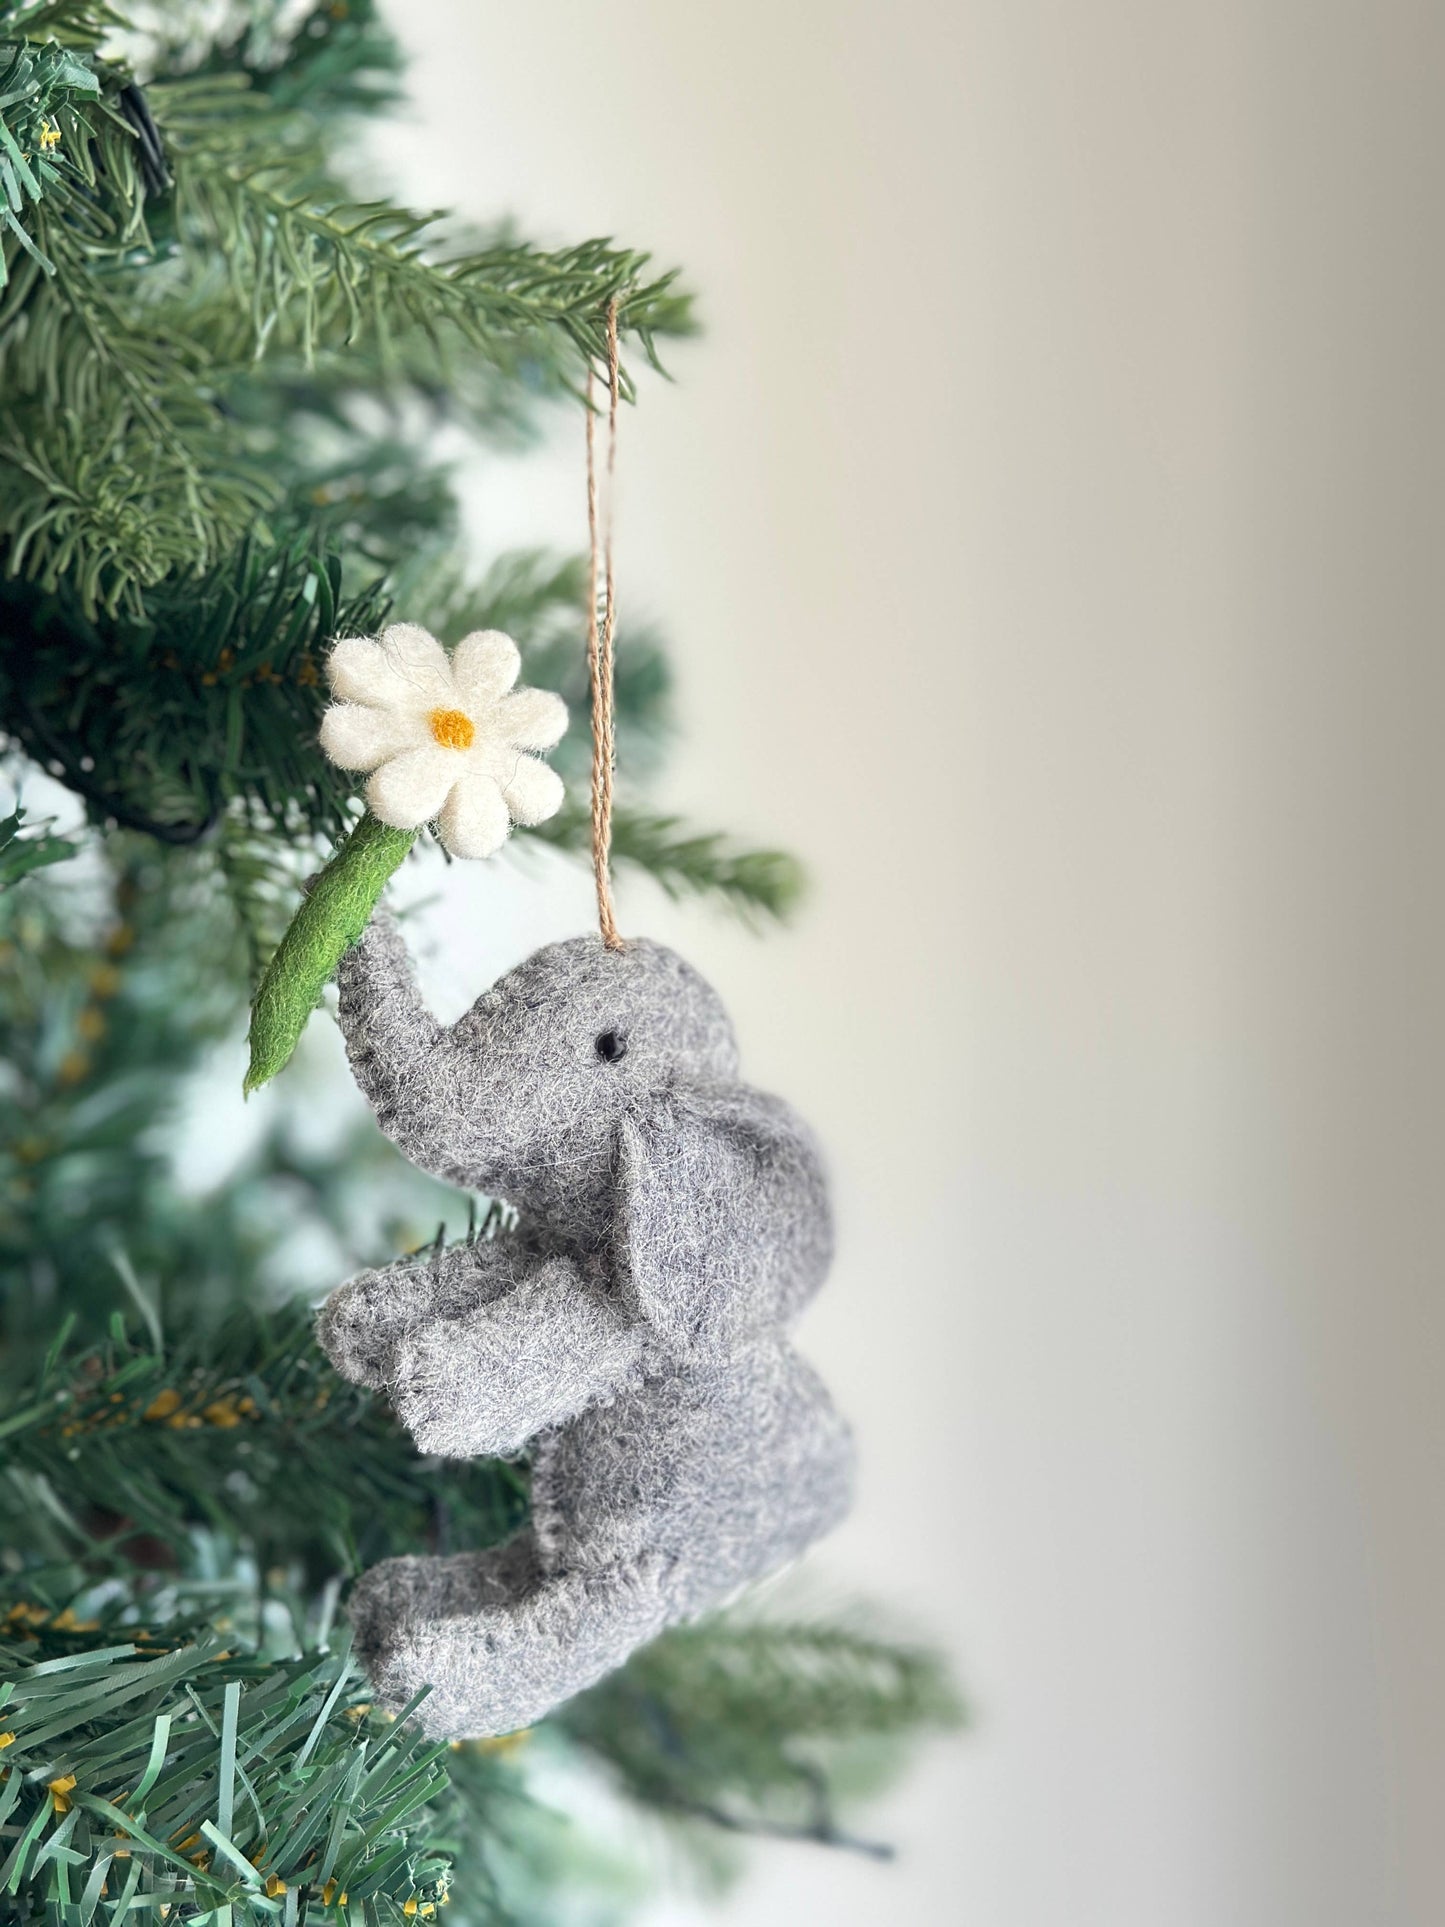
{"x": 445, "y": 738}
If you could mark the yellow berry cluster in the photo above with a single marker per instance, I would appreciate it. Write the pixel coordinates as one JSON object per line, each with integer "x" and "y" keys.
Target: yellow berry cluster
{"x": 306, "y": 674}
{"x": 26, "y": 1620}
{"x": 169, "y": 1408}
{"x": 166, "y": 1408}
{"x": 90, "y": 1022}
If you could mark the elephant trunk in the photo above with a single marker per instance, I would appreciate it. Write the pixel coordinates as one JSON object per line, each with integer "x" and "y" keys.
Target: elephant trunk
{"x": 401, "y": 1058}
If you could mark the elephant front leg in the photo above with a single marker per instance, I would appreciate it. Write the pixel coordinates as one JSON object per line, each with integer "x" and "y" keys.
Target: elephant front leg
{"x": 482, "y": 1378}
{"x": 365, "y": 1321}
{"x": 497, "y": 1660}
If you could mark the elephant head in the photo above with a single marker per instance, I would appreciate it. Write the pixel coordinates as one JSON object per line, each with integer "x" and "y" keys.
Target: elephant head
{"x": 597, "y": 1091}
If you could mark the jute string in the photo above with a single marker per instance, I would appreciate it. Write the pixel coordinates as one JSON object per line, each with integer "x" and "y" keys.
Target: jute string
{"x": 600, "y": 637}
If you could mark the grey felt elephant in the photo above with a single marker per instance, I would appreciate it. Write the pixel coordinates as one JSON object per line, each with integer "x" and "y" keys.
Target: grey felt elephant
{"x": 630, "y": 1335}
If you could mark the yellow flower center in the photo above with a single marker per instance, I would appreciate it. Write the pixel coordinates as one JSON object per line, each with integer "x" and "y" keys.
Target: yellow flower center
{"x": 452, "y": 728}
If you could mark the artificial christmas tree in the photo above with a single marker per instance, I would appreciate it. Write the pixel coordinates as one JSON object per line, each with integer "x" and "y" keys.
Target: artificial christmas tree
{"x": 222, "y": 377}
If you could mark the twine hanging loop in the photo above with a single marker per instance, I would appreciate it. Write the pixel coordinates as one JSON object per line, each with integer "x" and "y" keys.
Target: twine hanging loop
{"x": 600, "y": 633}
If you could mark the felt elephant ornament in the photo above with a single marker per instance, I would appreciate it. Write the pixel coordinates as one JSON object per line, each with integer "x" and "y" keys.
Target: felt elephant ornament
{"x": 630, "y": 1336}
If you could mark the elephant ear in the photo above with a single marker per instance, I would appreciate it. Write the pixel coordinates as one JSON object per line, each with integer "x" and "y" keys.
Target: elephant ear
{"x": 722, "y": 1224}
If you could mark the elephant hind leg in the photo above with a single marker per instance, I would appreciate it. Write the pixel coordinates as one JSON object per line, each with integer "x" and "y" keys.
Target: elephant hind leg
{"x": 496, "y": 1660}
{"x": 396, "y": 1592}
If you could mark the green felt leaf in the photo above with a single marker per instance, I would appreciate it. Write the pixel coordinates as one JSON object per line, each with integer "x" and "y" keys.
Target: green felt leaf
{"x": 331, "y": 919}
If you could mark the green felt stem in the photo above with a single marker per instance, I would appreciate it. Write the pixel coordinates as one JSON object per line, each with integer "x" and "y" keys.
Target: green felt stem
{"x": 332, "y": 916}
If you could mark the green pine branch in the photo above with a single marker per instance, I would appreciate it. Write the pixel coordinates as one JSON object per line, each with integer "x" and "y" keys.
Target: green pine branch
{"x": 173, "y": 1761}
{"x": 67, "y": 149}
{"x": 158, "y": 1770}
{"x": 48, "y": 98}
{"x": 210, "y": 697}
{"x": 133, "y": 310}
{"x": 323, "y": 274}
{"x": 25, "y": 849}
{"x": 243, "y": 1431}
{"x": 332, "y": 63}
{"x": 82, "y": 25}
{"x": 106, "y": 506}
{"x": 743, "y": 1721}
{"x": 317, "y": 269}
{"x": 755, "y": 883}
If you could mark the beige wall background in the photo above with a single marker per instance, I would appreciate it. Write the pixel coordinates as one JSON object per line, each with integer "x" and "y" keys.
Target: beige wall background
{"x": 1048, "y": 530}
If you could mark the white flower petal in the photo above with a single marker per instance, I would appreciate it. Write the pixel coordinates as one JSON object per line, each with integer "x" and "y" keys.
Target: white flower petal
{"x": 475, "y": 820}
{"x": 533, "y": 790}
{"x": 403, "y": 668}
{"x": 484, "y": 667}
{"x": 355, "y": 736}
{"x": 530, "y": 718}
{"x": 410, "y": 789}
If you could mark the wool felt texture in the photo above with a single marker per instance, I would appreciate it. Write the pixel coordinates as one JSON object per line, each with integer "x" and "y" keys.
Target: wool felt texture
{"x": 441, "y": 735}
{"x": 631, "y": 1335}
{"x": 332, "y": 916}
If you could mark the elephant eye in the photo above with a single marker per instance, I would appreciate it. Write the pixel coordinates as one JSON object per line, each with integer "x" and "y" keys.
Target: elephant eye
{"x": 610, "y": 1047}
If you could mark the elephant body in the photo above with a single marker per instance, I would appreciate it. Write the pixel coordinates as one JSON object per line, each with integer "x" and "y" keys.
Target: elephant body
{"x": 631, "y": 1336}
{"x": 725, "y": 1473}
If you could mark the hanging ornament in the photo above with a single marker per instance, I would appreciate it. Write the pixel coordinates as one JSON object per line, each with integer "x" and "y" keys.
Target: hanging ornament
{"x": 631, "y": 1336}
